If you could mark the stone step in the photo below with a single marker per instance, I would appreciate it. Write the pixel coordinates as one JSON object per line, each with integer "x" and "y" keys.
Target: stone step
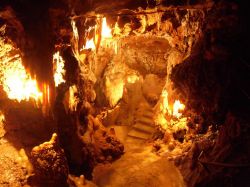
{"x": 144, "y": 128}
{"x": 139, "y": 134}
{"x": 144, "y": 120}
{"x": 145, "y": 108}
{"x": 133, "y": 141}
{"x": 148, "y": 114}
{"x": 134, "y": 138}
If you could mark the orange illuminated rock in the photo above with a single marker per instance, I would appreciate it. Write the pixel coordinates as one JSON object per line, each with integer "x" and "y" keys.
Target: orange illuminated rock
{"x": 49, "y": 162}
{"x": 16, "y": 81}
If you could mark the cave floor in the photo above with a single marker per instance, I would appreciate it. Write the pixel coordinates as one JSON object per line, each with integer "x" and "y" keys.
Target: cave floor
{"x": 13, "y": 165}
{"x": 138, "y": 167}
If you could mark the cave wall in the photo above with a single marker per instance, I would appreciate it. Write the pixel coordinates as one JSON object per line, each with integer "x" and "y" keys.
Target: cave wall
{"x": 36, "y": 26}
{"x": 214, "y": 80}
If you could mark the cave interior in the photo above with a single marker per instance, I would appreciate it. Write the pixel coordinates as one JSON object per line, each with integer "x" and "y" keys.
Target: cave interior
{"x": 109, "y": 93}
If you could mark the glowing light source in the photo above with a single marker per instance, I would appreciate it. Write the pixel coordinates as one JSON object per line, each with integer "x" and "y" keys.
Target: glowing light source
{"x": 177, "y": 107}
{"x": 89, "y": 44}
{"x": 106, "y": 31}
{"x": 58, "y": 66}
{"x": 166, "y": 111}
{"x": 16, "y": 82}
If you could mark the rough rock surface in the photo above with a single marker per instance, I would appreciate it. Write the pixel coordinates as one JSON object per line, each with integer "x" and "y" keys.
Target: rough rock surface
{"x": 50, "y": 164}
{"x": 103, "y": 145}
{"x": 152, "y": 88}
{"x": 214, "y": 82}
{"x": 146, "y": 54}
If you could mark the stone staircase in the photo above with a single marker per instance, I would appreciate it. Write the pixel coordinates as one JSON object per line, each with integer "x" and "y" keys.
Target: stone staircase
{"x": 143, "y": 128}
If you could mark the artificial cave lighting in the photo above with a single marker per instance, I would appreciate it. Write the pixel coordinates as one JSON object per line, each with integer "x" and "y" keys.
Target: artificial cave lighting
{"x": 16, "y": 82}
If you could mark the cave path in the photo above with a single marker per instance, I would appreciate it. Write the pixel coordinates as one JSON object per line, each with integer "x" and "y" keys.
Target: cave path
{"x": 138, "y": 167}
